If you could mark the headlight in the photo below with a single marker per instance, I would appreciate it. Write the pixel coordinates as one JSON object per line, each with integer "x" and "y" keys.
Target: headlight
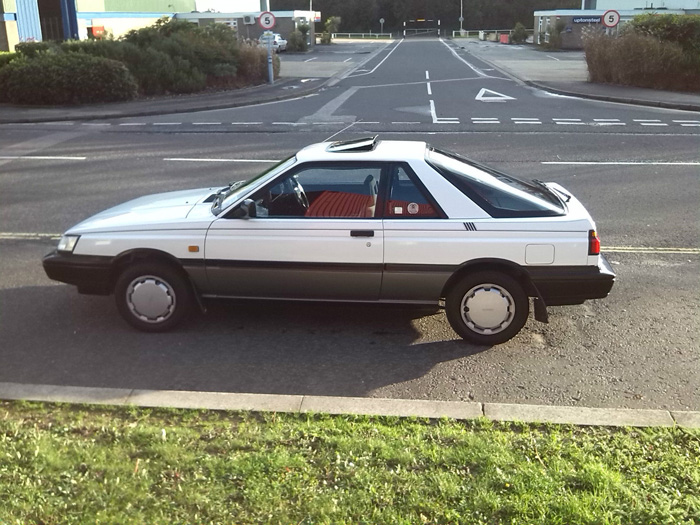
{"x": 67, "y": 243}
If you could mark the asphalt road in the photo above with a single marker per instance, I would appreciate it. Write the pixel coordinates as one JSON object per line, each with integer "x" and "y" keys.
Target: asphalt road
{"x": 637, "y": 349}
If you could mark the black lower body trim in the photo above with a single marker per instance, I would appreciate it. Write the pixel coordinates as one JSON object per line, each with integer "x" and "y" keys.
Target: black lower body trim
{"x": 572, "y": 284}
{"x": 91, "y": 274}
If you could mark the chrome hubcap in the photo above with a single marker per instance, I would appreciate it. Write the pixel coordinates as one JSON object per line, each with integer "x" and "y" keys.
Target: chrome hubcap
{"x": 487, "y": 309}
{"x": 150, "y": 299}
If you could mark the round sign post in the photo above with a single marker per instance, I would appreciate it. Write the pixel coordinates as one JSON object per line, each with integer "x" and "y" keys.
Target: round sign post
{"x": 266, "y": 20}
{"x": 611, "y": 18}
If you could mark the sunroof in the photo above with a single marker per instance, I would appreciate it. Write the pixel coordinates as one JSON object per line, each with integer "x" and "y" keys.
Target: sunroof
{"x": 363, "y": 144}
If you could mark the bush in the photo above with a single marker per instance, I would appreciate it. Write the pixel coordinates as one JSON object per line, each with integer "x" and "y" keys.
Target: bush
{"x": 297, "y": 42}
{"x": 683, "y": 30}
{"x": 6, "y": 58}
{"x": 252, "y": 67}
{"x": 32, "y": 49}
{"x": 519, "y": 34}
{"x": 66, "y": 79}
{"x": 641, "y": 60}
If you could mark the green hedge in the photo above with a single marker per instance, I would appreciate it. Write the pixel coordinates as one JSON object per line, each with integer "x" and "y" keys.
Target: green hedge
{"x": 65, "y": 79}
{"x": 641, "y": 60}
{"x": 683, "y": 30}
{"x": 6, "y": 58}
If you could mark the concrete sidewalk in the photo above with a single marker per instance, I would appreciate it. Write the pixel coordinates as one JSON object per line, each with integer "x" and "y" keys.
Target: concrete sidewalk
{"x": 566, "y": 73}
{"x": 350, "y": 405}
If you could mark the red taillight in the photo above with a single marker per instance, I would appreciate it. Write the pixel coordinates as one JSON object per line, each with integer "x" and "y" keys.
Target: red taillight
{"x": 593, "y": 243}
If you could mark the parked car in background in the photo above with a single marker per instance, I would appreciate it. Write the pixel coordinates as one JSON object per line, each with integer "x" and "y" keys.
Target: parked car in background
{"x": 359, "y": 221}
{"x": 278, "y": 43}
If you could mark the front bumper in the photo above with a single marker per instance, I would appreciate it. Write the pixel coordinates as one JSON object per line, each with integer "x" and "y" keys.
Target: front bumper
{"x": 573, "y": 284}
{"x": 91, "y": 274}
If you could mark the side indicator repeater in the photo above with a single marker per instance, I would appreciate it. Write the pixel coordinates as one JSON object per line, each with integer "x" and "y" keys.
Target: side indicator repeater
{"x": 593, "y": 243}
{"x": 193, "y": 249}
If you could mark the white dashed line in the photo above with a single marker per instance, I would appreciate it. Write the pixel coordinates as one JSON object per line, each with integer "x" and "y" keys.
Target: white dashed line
{"x": 167, "y": 123}
{"x": 133, "y": 124}
{"x": 38, "y": 157}
{"x": 206, "y": 123}
{"x": 181, "y": 159}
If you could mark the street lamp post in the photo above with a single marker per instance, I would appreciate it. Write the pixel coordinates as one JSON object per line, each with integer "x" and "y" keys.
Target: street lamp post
{"x": 461, "y": 16}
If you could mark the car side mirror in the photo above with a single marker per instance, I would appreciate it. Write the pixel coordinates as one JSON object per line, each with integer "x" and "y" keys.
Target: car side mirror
{"x": 246, "y": 210}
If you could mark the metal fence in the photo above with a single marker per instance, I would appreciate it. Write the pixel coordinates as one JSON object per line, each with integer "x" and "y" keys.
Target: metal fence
{"x": 369, "y": 35}
{"x": 483, "y": 33}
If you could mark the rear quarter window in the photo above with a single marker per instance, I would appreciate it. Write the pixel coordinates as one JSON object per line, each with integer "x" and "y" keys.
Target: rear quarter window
{"x": 498, "y": 194}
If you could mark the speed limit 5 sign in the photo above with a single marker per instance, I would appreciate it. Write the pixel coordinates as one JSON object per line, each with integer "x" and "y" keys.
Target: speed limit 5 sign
{"x": 266, "y": 20}
{"x": 611, "y": 18}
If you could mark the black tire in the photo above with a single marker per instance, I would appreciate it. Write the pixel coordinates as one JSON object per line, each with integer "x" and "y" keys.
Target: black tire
{"x": 153, "y": 297}
{"x": 499, "y": 308}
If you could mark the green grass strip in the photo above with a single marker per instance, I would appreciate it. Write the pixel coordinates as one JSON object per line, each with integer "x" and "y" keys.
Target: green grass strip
{"x": 65, "y": 464}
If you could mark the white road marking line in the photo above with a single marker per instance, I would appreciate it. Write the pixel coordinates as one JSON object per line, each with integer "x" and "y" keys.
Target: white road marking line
{"x": 690, "y": 125}
{"x": 183, "y": 159}
{"x": 518, "y": 120}
{"x": 471, "y": 66}
{"x": 427, "y": 75}
{"x": 430, "y": 89}
{"x": 245, "y": 123}
{"x": 310, "y": 59}
{"x": 403, "y": 122}
{"x": 289, "y": 123}
{"x": 15, "y": 236}
{"x": 206, "y": 123}
{"x": 606, "y": 120}
{"x": 167, "y": 123}
{"x": 646, "y": 120}
{"x": 39, "y": 157}
{"x": 653, "y": 124}
{"x": 378, "y": 65}
{"x": 133, "y": 124}
{"x": 96, "y": 124}
{"x": 620, "y": 163}
{"x": 687, "y": 121}
{"x": 609, "y": 124}
{"x": 347, "y": 60}
{"x": 441, "y": 120}
{"x": 549, "y": 56}
{"x": 65, "y": 123}
{"x": 568, "y": 119}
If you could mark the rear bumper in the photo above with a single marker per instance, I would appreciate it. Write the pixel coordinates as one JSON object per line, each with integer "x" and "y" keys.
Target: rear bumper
{"x": 91, "y": 274}
{"x": 573, "y": 284}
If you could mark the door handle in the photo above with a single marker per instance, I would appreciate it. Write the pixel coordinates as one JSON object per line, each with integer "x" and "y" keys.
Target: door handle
{"x": 361, "y": 233}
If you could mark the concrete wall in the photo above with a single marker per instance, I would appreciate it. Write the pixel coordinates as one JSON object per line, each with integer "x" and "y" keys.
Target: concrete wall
{"x": 9, "y": 36}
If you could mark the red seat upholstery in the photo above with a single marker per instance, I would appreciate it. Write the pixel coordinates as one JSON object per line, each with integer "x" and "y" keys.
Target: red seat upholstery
{"x": 341, "y": 204}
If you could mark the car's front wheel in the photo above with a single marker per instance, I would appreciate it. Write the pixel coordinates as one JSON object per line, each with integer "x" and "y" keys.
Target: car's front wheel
{"x": 153, "y": 297}
{"x": 487, "y": 308}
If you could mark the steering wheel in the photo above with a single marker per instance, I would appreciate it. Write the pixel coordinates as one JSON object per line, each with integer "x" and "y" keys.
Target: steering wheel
{"x": 299, "y": 193}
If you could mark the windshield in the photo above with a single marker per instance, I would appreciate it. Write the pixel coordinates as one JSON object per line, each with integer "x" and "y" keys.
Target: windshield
{"x": 236, "y": 190}
{"x": 499, "y": 194}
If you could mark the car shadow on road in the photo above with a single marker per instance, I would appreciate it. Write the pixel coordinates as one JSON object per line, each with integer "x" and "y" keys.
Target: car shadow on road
{"x": 52, "y": 335}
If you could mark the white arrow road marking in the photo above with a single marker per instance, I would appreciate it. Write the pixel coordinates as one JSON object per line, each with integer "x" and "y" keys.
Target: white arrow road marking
{"x": 487, "y": 95}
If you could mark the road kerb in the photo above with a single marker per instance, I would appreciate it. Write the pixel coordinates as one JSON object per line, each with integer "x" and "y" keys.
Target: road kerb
{"x": 215, "y": 400}
{"x": 618, "y": 417}
{"x": 391, "y": 407}
{"x": 350, "y": 405}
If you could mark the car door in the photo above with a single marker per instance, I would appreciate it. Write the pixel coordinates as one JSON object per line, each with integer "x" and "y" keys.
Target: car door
{"x": 315, "y": 235}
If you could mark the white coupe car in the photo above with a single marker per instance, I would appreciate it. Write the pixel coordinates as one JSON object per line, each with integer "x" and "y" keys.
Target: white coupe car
{"x": 362, "y": 220}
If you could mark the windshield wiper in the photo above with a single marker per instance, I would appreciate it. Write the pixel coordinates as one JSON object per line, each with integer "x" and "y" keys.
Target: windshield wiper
{"x": 567, "y": 197}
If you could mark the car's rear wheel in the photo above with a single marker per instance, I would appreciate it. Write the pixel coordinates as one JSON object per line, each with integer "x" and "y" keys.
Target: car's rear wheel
{"x": 153, "y": 297}
{"x": 487, "y": 308}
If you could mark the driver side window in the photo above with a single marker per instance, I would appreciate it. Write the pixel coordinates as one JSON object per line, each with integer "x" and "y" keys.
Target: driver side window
{"x": 322, "y": 191}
